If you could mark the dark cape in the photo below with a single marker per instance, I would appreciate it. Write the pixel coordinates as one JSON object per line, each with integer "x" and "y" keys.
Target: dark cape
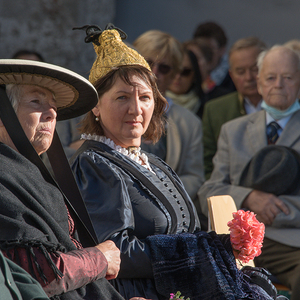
{"x": 33, "y": 214}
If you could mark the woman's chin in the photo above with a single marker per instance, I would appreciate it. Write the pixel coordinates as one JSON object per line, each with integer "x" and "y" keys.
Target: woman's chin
{"x": 132, "y": 142}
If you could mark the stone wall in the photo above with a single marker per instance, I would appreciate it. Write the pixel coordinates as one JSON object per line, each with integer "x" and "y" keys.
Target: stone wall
{"x": 46, "y": 27}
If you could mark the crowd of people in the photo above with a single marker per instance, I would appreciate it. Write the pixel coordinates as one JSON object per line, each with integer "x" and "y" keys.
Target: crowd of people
{"x": 104, "y": 182}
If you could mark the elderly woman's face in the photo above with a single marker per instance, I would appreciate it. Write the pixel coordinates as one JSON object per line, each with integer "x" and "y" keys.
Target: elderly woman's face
{"x": 37, "y": 114}
{"x": 125, "y": 111}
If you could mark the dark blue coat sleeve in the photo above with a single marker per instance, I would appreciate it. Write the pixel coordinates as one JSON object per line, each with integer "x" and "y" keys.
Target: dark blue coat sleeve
{"x": 107, "y": 198}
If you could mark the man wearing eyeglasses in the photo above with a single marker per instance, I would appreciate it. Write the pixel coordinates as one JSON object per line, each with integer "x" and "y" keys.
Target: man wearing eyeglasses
{"x": 243, "y": 71}
{"x": 181, "y": 147}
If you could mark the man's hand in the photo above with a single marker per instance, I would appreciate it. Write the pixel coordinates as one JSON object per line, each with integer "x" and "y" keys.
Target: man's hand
{"x": 112, "y": 255}
{"x": 266, "y": 206}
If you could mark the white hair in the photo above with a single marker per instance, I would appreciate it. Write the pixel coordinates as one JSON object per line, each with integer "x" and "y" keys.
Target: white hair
{"x": 13, "y": 92}
{"x": 263, "y": 54}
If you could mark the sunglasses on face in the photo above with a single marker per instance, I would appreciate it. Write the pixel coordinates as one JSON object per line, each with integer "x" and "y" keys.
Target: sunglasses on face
{"x": 186, "y": 72}
{"x": 162, "y": 68}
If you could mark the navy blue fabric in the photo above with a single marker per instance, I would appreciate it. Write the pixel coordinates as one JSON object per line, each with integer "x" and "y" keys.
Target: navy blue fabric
{"x": 200, "y": 266}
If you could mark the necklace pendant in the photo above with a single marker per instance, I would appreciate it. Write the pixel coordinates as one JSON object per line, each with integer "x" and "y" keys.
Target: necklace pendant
{"x": 134, "y": 150}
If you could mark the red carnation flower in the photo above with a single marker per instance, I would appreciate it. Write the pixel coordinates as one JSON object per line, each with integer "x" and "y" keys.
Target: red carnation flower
{"x": 246, "y": 235}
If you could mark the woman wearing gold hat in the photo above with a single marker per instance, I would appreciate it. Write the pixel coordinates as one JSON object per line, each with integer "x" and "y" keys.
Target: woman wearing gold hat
{"x": 134, "y": 198}
{"x": 42, "y": 228}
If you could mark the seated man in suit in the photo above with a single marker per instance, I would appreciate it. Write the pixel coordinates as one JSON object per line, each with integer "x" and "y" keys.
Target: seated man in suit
{"x": 240, "y": 139}
{"x": 243, "y": 71}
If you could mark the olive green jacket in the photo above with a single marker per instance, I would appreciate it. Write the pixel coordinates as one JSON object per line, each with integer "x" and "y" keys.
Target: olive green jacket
{"x": 217, "y": 112}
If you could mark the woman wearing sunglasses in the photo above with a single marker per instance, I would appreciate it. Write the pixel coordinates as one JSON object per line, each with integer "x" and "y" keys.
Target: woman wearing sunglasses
{"x": 181, "y": 147}
{"x": 186, "y": 88}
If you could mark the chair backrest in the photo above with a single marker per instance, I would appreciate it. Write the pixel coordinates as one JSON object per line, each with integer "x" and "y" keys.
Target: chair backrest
{"x": 220, "y": 212}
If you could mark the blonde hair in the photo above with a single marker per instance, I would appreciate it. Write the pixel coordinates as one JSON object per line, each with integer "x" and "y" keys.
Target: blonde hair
{"x": 293, "y": 45}
{"x": 160, "y": 44}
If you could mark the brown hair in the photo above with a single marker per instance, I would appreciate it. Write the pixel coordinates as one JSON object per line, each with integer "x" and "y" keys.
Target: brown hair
{"x": 210, "y": 30}
{"x": 157, "y": 124}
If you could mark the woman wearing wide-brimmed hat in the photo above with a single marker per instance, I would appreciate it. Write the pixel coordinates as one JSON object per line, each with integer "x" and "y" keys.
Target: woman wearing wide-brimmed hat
{"x": 43, "y": 230}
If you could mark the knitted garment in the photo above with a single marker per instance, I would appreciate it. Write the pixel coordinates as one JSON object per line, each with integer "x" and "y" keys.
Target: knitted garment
{"x": 200, "y": 266}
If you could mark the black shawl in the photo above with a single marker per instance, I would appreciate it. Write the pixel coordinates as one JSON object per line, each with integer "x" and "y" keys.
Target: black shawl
{"x": 33, "y": 214}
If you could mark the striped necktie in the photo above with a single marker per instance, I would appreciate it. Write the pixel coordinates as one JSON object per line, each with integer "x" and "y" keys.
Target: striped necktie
{"x": 272, "y": 132}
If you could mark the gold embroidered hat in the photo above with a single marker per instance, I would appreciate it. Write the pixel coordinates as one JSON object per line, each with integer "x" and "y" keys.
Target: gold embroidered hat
{"x": 111, "y": 51}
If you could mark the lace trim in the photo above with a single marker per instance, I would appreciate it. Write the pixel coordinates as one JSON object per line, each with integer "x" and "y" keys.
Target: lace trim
{"x": 133, "y": 153}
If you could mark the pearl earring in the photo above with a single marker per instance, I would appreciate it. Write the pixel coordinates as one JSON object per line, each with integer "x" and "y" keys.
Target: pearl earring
{"x": 97, "y": 119}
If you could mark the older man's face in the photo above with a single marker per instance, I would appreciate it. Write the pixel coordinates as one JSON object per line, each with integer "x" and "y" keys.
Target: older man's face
{"x": 279, "y": 78}
{"x": 37, "y": 115}
{"x": 243, "y": 71}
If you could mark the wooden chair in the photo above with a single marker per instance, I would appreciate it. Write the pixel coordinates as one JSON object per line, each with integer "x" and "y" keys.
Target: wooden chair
{"x": 220, "y": 210}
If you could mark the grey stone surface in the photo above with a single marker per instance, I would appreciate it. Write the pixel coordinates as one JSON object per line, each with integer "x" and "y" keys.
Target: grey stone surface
{"x": 46, "y": 27}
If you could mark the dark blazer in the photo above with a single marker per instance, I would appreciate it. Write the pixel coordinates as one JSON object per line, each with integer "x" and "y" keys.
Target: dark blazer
{"x": 217, "y": 112}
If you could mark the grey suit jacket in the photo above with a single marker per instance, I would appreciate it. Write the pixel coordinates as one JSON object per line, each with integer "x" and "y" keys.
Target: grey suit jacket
{"x": 239, "y": 140}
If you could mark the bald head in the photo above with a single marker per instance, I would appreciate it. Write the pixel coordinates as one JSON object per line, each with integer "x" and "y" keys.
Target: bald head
{"x": 278, "y": 77}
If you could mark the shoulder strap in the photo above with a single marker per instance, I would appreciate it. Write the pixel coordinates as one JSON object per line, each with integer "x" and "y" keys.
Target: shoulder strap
{"x": 69, "y": 187}
{"x": 137, "y": 174}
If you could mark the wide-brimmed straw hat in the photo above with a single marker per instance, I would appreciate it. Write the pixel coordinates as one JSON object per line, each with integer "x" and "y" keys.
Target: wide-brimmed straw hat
{"x": 274, "y": 169}
{"x": 74, "y": 94}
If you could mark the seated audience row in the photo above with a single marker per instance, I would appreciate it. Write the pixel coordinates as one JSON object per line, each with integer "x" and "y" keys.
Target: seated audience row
{"x": 258, "y": 163}
{"x": 142, "y": 204}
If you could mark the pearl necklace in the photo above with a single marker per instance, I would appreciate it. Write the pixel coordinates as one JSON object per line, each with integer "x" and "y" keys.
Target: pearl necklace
{"x": 133, "y": 153}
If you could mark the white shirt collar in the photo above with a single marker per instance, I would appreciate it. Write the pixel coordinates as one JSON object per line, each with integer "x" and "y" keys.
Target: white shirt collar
{"x": 250, "y": 108}
{"x": 282, "y": 122}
